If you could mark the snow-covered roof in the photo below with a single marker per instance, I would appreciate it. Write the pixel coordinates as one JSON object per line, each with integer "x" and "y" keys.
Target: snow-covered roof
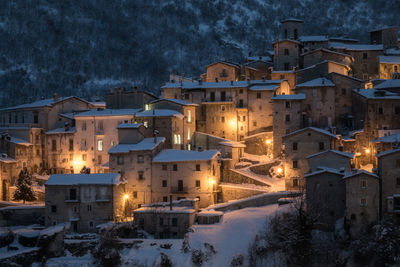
{"x": 327, "y": 51}
{"x": 107, "y": 112}
{"x": 43, "y": 103}
{"x": 267, "y": 87}
{"x": 165, "y": 209}
{"x": 388, "y": 139}
{"x": 175, "y": 155}
{"x": 17, "y": 141}
{"x": 391, "y": 83}
{"x": 343, "y": 39}
{"x": 160, "y": 113}
{"x": 389, "y": 59}
{"x": 145, "y": 144}
{"x": 340, "y": 153}
{"x": 262, "y": 58}
{"x": 392, "y": 51}
{"x": 376, "y": 94}
{"x": 176, "y": 101}
{"x": 129, "y": 125}
{"x": 233, "y": 84}
{"x": 355, "y": 47}
{"x": 84, "y": 179}
{"x": 323, "y": 170}
{"x": 300, "y": 96}
{"x": 313, "y": 38}
{"x": 98, "y": 104}
{"x": 232, "y": 144}
{"x": 67, "y": 115}
{"x": 236, "y": 65}
{"x": 6, "y": 159}
{"x": 388, "y": 152}
{"x": 318, "y": 130}
{"x": 358, "y": 172}
{"x": 319, "y": 82}
{"x": 62, "y": 130}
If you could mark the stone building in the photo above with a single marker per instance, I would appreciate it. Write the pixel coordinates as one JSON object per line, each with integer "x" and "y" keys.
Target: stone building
{"x": 291, "y": 28}
{"x": 223, "y": 71}
{"x": 389, "y": 66}
{"x": 388, "y": 37}
{"x": 120, "y": 98}
{"x": 321, "y": 69}
{"x": 332, "y": 159}
{"x": 362, "y": 200}
{"x": 8, "y": 174}
{"x": 132, "y": 158}
{"x": 84, "y": 200}
{"x": 300, "y": 144}
{"x": 325, "y": 196}
{"x": 186, "y": 174}
{"x": 60, "y": 149}
{"x": 313, "y": 57}
{"x": 389, "y": 173}
{"x": 167, "y": 220}
{"x": 286, "y": 54}
{"x": 311, "y": 42}
{"x": 287, "y": 118}
{"x": 170, "y": 124}
{"x": 95, "y": 133}
{"x": 289, "y": 75}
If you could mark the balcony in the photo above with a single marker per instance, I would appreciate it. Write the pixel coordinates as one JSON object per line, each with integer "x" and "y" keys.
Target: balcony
{"x": 179, "y": 189}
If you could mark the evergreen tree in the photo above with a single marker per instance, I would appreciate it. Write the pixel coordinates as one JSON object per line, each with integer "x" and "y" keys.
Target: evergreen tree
{"x": 24, "y": 190}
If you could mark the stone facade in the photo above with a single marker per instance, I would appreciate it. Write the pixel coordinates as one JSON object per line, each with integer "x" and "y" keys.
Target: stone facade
{"x": 120, "y": 98}
{"x": 331, "y": 159}
{"x": 389, "y": 66}
{"x": 319, "y": 55}
{"x": 388, "y": 37}
{"x": 8, "y": 176}
{"x": 291, "y": 29}
{"x": 286, "y": 54}
{"x": 223, "y": 71}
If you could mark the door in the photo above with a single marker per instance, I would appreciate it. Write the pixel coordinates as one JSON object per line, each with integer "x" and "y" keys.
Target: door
{"x": 180, "y": 185}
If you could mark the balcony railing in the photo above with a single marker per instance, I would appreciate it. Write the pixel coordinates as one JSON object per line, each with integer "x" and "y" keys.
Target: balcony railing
{"x": 179, "y": 189}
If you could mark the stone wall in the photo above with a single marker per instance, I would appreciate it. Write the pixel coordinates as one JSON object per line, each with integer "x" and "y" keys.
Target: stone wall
{"x": 21, "y": 215}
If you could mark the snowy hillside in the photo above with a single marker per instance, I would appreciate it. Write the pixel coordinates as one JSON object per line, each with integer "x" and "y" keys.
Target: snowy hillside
{"x": 86, "y": 47}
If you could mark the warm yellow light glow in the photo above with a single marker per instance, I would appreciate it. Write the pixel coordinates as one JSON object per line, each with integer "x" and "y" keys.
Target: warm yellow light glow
{"x": 212, "y": 181}
{"x": 280, "y": 170}
{"x": 367, "y": 151}
{"x": 232, "y": 122}
{"x": 77, "y": 162}
{"x": 126, "y": 196}
{"x": 268, "y": 142}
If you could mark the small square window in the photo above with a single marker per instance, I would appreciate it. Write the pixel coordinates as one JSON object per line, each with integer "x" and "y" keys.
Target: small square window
{"x": 120, "y": 160}
{"x": 134, "y": 194}
{"x": 222, "y": 119}
{"x": 363, "y": 202}
{"x": 91, "y": 224}
{"x": 175, "y": 167}
{"x": 164, "y": 183}
{"x": 140, "y": 158}
{"x": 287, "y": 104}
{"x": 140, "y": 175}
{"x": 53, "y": 208}
{"x": 175, "y": 222}
{"x": 344, "y": 91}
{"x": 164, "y": 167}
{"x": 295, "y": 182}
{"x": 321, "y": 146}
{"x": 295, "y": 146}
{"x": 165, "y": 199}
{"x": 295, "y": 164}
{"x": 198, "y": 167}
{"x": 197, "y": 183}
{"x": 255, "y": 123}
{"x": 258, "y": 94}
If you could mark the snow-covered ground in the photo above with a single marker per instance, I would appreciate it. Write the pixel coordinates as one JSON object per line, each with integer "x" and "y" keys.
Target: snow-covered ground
{"x": 232, "y": 236}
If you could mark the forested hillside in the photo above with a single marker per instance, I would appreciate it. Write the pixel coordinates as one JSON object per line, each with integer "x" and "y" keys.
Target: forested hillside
{"x": 86, "y": 47}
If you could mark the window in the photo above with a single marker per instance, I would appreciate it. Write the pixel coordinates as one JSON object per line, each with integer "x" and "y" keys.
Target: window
{"x": 255, "y": 123}
{"x": 258, "y": 95}
{"x": 53, "y": 145}
{"x": 287, "y": 104}
{"x": 197, "y": 183}
{"x": 134, "y": 194}
{"x": 286, "y": 52}
{"x": 287, "y": 117}
{"x": 380, "y": 110}
{"x": 140, "y": 175}
{"x": 188, "y": 133}
{"x": 363, "y": 184}
{"x": 295, "y": 146}
{"x": 84, "y": 126}
{"x": 222, "y": 119}
{"x": 161, "y": 221}
{"x": 84, "y": 157}
{"x": 146, "y": 107}
{"x": 164, "y": 183}
{"x": 189, "y": 117}
{"x": 212, "y": 96}
{"x": 295, "y": 182}
{"x": 321, "y": 145}
{"x": 222, "y": 108}
{"x": 53, "y": 208}
{"x": 240, "y": 103}
{"x": 241, "y": 91}
{"x": 177, "y": 139}
{"x": 363, "y": 202}
{"x": 244, "y": 118}
{"x": 397, "y": 110}
{"x": 120, "y": 160}
{"x": 164, "y": 167}
{"x": 112, "y": 143}
{"x": 175, "y": 222}
{"x": 365, "y": 55}
{"x": 295, "y": 34}
{"x": 140, "y": 159}
{"x": 295, "y": 164}
{"x": 286, "y": 66}
{"x": 223, "y": 96}
{"x": 241, "y": 128}
{"x": 91, "y": 224}
{"x": 99, "y": 159}
{"x": 35, "y": 118}
{"x": 146, "y": 124}
{"x": 286, "y": 34}
{"x": 100, "y": 126}
{"x": 186, "y": 96}
{"x": 395, "y": 68}
{"x": 175, "y": 167}
{"x": 198, "y": 167}
{"x": 398, "y": 181}
{"x": 165, "y": 199}
{"x": 72, "y": 194}
{"x": 71, "y": 144}
{"x": 343, "y": 91}
{"x": 100, "y": 145}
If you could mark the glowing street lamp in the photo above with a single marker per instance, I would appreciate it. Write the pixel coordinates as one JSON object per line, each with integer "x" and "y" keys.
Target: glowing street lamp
{"x": 126, "y": 197}
{"x": 232, "y": 122}
{"x": 268, "y": 142}
{"x": 279, "y": 170}
{"x": 367, "y": 151}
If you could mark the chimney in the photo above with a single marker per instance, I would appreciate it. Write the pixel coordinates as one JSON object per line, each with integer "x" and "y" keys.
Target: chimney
{"x": 55, "y": 97}
{"x": 216, "y": 79}
{"x": 155, "y": 133}
{"x": 170, "y": 202}
{"x": 66, "y": 126}
{"x": 200, "y": 81}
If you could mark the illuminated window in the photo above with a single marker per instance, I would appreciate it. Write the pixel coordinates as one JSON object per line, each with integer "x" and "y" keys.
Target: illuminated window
{"x": 146, "y": 124}
{"x": 146, "y": 107}
{"x": 100, "y": 145}
{"x": 84, "y": 157}
{"x": 112, "y": 143}
{"x": 188, "y": 134}
{"x": 363, "y": 202}
{"x": 363, "y": 184}
{"x": 189, "y": 118}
